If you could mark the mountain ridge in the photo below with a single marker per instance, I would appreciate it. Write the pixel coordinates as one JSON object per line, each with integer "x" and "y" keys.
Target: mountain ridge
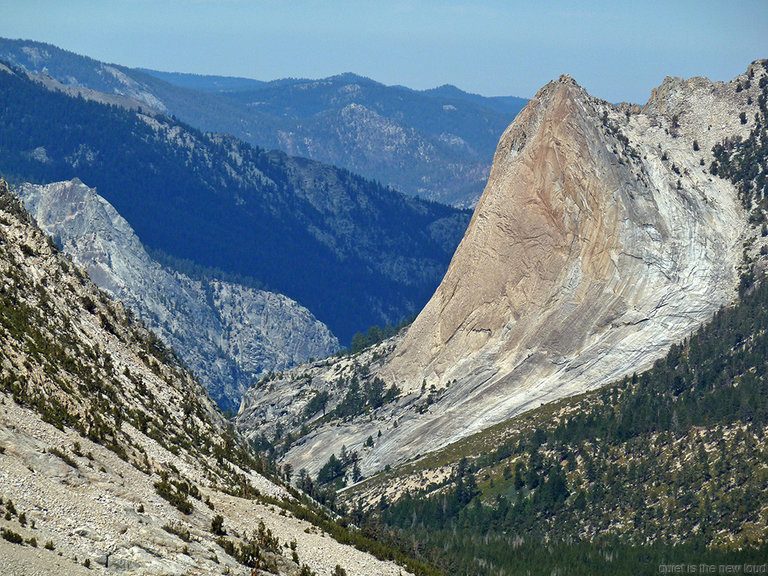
{"x": 416, "y": 141}
{"x": 352, "y": 251}
{"x": 114, "y": 458}
{"x": 602, "y": 239}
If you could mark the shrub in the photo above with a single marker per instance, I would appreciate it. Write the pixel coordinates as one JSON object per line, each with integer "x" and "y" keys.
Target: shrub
{"x": 178, "y": 530}
{"x": 64, "y": 456}
{"x": 177, "y": 499}
{"x": 217, "y": 525}
{"x": 13, "y": 537}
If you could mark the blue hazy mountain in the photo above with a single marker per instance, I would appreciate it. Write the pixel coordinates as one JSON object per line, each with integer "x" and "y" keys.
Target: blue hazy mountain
{"x": 353, "y": 251}
{"x": 437, "y": 144}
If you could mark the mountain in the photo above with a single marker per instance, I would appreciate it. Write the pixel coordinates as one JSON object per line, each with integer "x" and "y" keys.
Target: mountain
{"x": 114, "y": 459}
{"x": 202, "y": 82}
{"x": 502, "y": 104}
{"x": 431, "y": 145}
{"x": 229, "y": 335}
{"x": 436, "y": 144}
{"x": 604, "y": 236}
{"x": 662, "y": 467}
{"x": 353, "y": 252}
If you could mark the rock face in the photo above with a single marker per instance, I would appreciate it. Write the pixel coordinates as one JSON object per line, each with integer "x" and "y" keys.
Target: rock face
{"x": 113, "y": 459}
{"x": 228, "y": 334}
{"x": 601, "y": 239}
{"x": 587, "y": 256}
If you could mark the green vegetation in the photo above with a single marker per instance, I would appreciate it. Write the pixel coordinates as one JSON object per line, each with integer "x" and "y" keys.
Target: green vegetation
{"x": 374, "y": 335}
{"x": 176, "y": 492}
{"x": 11, "y": 536}
{"x": 317, "y": 403}
{"x": 251, "y": 551}
{"x": 64, "y": 456}
{"x": 370, "y": 396}
{"x": 745, "y": 162}
{"x": 332, "y": 470}
{"x": 669, "y": 466}
{"x": 217, "y": 525}
{"x": 179, "y": 530}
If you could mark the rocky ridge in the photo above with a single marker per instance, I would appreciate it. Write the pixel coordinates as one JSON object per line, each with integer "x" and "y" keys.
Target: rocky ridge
{"x": 113, "y": 459}
{"x": 229, "y": 335}
{"x": 436, "y": 144}
{"x": 352, "y": 251}
{"x": 601, "y": 239}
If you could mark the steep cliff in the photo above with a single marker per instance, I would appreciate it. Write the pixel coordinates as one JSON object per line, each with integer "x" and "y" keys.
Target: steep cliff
{"x": 229, "y": 335}
{"x": 601, "y": 239}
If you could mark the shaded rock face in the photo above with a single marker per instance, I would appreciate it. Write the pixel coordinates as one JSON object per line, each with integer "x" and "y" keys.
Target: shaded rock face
{"x": 601, "y": 239}
{"x": 228, "y": 334}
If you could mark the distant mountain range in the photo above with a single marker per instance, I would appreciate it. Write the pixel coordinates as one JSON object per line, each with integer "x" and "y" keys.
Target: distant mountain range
{"x": 437, "y": 144}
{"x": 354, "y": 252}
{"x": 585, "y": 392}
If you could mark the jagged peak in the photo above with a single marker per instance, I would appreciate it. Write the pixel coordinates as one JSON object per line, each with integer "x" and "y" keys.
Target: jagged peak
{"x": 564, "y": 89}
{"x": 564, "y": 82}
{"x": 673, "y": 86}
{"x": 758, "y": 67}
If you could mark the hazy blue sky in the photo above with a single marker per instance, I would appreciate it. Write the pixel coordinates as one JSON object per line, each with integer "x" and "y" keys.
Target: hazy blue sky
{"x": 617, "y": 50}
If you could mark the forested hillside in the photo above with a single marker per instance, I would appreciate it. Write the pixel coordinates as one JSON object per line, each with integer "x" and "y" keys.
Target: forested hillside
{"x": 666, "y": 467}
{"x": 354, "y": 252}
{"x": 437, "y": 144}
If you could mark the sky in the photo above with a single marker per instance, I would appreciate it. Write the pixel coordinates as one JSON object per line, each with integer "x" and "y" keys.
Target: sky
{"x": 618, "y": 51}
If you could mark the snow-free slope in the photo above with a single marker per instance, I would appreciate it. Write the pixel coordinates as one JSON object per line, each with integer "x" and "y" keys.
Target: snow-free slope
{"x": 601, "y": 238}
{"x": 229, "y": 335}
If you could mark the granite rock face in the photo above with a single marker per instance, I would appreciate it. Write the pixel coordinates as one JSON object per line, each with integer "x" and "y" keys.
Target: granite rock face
{"x": 228, "y": 334}
{"x": 601, "y": 239}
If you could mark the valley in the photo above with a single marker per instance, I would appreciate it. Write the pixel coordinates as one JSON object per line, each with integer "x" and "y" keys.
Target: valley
{"x": 228, "y": 334}
{"x": 268, "y": 349}
{"x": 602, "y": 239}
{"x": 352, "y": 251}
